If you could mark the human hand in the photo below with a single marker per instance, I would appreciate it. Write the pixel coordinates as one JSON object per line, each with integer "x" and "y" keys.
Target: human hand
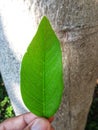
{"x": 27, "y": 121}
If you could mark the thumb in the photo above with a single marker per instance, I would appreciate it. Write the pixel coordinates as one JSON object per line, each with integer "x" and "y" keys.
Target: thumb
{"x": 39, "y": 124}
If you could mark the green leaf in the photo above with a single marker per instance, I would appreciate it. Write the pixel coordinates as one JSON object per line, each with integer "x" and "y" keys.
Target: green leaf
{"x": 41, "y": 72}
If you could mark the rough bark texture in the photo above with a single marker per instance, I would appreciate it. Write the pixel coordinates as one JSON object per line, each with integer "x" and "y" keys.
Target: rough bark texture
{"x": 76, "y": 24}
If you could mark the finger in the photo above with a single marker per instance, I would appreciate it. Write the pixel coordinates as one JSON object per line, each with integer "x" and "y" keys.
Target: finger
{"x": 39, "y": 124}
{"x": 52, "y": 128}
{"x": 51, "y": 119}
{"x": 18, "y": 122}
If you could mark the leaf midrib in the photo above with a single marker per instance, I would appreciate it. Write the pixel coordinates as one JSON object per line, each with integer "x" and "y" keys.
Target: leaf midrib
{"x": 44, "y": 98}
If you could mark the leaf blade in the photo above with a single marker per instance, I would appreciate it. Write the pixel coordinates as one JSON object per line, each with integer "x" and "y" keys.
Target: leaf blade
{"x": 44, "y": 75}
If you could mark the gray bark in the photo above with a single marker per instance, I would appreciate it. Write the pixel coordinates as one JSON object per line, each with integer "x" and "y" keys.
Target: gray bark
{"x": 76, "y": 24}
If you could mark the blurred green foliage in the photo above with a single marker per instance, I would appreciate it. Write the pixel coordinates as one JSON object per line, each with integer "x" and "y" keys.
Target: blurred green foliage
{"x": 6, "y": 110}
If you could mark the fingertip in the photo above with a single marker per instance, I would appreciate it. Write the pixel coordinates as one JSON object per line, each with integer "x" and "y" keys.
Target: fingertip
{"x": 28, "y": 117}
{"x": 52, "y": 128}
{"x": 51, "y": 119}
{"x": 40, "y": 124}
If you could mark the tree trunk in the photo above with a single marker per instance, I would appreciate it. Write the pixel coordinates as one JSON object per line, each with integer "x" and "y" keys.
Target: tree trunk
{"x": 76, "y": 24}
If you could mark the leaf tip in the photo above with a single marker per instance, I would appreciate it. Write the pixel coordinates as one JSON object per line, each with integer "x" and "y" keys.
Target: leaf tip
{"x": 44, "y": 19}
